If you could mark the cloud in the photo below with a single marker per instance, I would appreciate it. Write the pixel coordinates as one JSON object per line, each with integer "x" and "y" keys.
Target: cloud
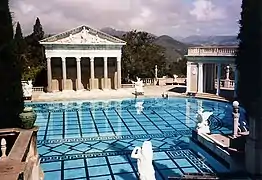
{"x": 172, "y": 17}
{"x": 205, "y": 10}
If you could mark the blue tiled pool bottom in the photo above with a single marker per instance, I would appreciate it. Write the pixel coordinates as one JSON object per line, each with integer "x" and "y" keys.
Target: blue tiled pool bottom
{"x": 88, "y": 132}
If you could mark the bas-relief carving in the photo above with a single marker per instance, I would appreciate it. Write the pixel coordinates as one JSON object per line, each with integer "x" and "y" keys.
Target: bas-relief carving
{"x": 83, "y": 37}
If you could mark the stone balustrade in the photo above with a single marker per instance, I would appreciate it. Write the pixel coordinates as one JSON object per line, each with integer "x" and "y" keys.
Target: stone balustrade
{"x": 226, "y": 84}
{"x": 19, "y": 158}
{"x": 38, "y": 89}
{"x": 212, "y": 51}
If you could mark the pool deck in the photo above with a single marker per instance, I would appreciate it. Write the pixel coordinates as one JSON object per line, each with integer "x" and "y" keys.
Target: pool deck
{"x": 149, "y": 91}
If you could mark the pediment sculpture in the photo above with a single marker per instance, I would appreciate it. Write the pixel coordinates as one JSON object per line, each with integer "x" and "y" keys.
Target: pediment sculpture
{"x": 27, "y": 87}
{"x": 144, "y": 156}
{"x": 202, "y": 123}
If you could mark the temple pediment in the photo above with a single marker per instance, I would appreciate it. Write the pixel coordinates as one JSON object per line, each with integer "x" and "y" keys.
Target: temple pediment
{"x": 82, "y": 35}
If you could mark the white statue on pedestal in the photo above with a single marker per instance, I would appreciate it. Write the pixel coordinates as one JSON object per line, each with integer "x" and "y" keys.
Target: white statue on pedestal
{"x": 202, "y": 124}
{"x": 139, "y": 107}
{"x": 138, "y": 86}
{"x": 144, "y": 156}
{"x": 27, "y": 88}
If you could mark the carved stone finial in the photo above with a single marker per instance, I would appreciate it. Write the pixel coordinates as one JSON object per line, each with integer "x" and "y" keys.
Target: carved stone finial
{"x": 3, "y": 148}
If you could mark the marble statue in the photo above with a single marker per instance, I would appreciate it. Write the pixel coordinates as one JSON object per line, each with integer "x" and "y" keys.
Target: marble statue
{"x": 236, "y": 116}
{"x": 139, "y": 107}
{"x": 175, "y": 78}
{"x": 138, "y": 86}
{"x": 156, "y": 75}
{"x": 144, "y": 156}
{"x": 202, "y": 123}
{"x": 27, "y": 87}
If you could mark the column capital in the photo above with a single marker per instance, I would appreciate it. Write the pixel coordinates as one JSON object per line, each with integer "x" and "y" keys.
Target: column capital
{"x": 105, "y": 58}
{"x": 78, "y": 59}
{"x": 92, "y": 59}
{"x": 48, "y": 58}
{"x": 63, "y": 59}
{"x": 200, "y": 64}
{"x": 118, "y": 58}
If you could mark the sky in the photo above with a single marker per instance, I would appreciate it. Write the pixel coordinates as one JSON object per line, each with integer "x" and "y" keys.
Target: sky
{"x": 170, "y": 17}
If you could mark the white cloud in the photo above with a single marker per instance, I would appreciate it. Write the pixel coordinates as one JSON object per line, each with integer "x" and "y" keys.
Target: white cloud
{"x": 172, "y": 17}
{"x": 205, "y": 10}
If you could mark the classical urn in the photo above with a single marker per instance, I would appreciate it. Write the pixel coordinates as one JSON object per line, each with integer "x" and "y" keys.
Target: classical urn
{"x": 28, "y": 118}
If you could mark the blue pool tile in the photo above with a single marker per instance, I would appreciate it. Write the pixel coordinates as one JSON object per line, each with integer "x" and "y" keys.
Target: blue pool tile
{"x": 52, "y": 136}
{"x": 77, "y": 163}
{"x": 51, "y": 166}
{"x": 121, "y": 168}
{"x": 165, "y": 164}
{"x": 53, "y": 175}
{"x": 171, "y": 172}
{"x": 74, "y": 173}
{"x": 72, "y": 131}
{"x": 101, "y": 178}
{"x": 77, "y": 135}
{"x": 96, "y": 161}
{"x": 89, "y": 134}
{"x": 82, "y": 147}
{"x": 61, "y": 148}
{"x": 86, "y": 130}
{"x": 182, "y": 162}
{"x": 190, "y": 170}
{"x": 98, "y": 170}
{"x": 117, "y": 159}
{"x": 160, "y": 155}
{"x": 125, "y": 176}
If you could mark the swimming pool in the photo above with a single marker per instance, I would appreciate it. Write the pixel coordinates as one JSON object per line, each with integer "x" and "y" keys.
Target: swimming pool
{"x": 94, "y": 140}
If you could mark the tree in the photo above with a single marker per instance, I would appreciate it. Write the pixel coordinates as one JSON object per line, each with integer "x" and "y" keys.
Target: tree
{"x": 248, "y": 58}
{"x": 38, "y": 32}
{"x": 35, "y": 59}
{"x": 140, "y": 55}
{"x": 179, "y": 68}
{"x": 249, "y": 64}
{"x": 11, "y": 94}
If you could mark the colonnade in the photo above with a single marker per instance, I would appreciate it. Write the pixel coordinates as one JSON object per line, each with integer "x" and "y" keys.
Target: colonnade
{"x": 201, "y": 77}
{"x": 79, "y": 70}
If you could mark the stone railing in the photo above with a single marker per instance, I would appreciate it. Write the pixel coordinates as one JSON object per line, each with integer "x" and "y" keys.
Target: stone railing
{"x": 19, "y": 158}
{"x": 38, "y": 89}
{"x": 225, "y": 84}
{"x": 212, "y": 51}
{"x": 148, "y": 81}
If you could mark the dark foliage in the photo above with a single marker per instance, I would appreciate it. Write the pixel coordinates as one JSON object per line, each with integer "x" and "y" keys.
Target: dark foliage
{"x": 11, "y": 94}
{"x": 248, "y": 58}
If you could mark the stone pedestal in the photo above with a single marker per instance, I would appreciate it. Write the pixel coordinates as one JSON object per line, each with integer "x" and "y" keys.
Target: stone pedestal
{"x": 227, "y": 83}
{"x": 253, "y": 149}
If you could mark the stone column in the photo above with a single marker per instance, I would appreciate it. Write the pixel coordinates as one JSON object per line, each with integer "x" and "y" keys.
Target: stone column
{"x": 235, "y": 81}
{"x": 92, "y": 72}
{"x": 49, "y": 74}
{"x": 118, "y": 72}
{"x": 218, "y": 79}
{"x": 105, "y": 73}
{"x": 64, "y": 72}
{"x": 200, "y": 78}
{"x": 78, "y": 73}
{"x": 188, "y": 77}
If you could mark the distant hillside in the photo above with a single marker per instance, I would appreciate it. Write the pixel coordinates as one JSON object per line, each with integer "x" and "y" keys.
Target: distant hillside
{"x": 211, "y": 40}
{"x": 113, "y": 32}
{"x": 175, "y": 50}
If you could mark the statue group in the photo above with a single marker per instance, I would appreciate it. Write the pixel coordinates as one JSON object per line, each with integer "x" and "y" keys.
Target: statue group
{"x": 139, "y": 90}
{"x": 202, "y": 123}
{"x": 27, "y": 87}
{"x": 144, "y": 156}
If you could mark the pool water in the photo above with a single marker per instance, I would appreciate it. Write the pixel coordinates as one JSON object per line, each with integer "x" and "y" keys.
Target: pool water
{"x": 94, "y": 140}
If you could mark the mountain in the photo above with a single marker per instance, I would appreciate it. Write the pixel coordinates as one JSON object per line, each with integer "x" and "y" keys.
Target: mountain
{"x": 211, "y": 40}
{"x": 175, "y": 50}
{"x": 113, "y": 32}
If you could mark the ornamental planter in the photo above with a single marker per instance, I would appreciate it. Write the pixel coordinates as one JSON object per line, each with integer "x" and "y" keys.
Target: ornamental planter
{"x": 28, "y": 118}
